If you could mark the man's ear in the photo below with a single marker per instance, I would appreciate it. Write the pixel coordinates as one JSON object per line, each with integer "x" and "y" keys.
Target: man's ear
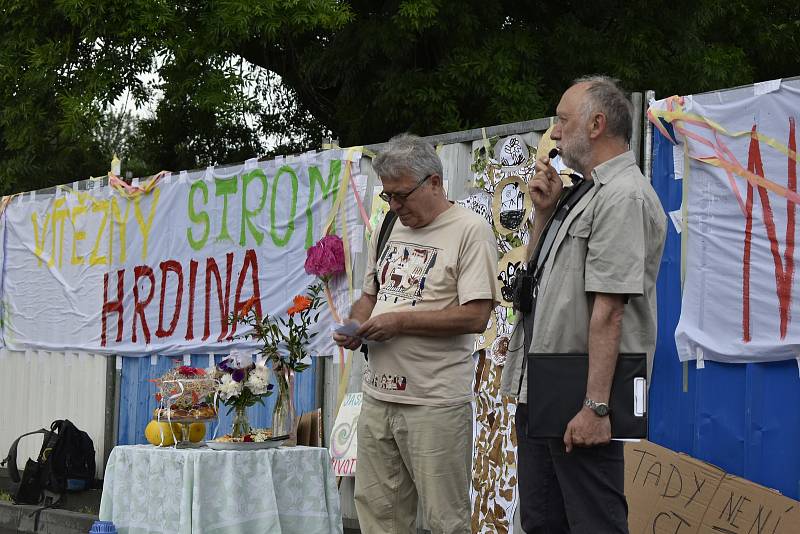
{"x": 436, "y": 180}
{"x": 597, "y": 126}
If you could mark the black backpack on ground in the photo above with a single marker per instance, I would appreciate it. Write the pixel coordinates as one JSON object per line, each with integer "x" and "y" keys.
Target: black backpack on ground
{"x": 65, "y": 463}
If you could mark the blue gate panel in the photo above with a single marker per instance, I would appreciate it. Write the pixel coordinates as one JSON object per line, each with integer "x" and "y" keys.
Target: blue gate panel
{"x": 744, "y": 418}
{"x": 137, "y": 397}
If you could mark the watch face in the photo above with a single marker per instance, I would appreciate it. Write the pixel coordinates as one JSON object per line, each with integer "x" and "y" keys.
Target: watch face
{"x": 601, "y": 410}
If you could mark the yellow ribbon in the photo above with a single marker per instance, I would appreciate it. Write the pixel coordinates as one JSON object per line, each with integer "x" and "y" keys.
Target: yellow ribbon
{"x": 339, "y": 208}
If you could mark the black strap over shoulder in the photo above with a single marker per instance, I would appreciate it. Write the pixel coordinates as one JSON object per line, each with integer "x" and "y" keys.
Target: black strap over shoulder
{"x": 383, "y": 238}
{"x": 530, "y": 284}
{"x": 545, "y": 243}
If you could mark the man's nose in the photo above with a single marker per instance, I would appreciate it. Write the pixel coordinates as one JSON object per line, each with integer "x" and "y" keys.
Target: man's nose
{"x": 555, "y": 134}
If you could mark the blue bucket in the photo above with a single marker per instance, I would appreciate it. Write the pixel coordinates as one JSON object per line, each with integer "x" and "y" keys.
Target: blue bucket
{"x": 103, "y": 527}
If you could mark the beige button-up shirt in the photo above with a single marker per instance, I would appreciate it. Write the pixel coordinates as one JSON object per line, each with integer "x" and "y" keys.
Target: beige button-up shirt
{"x": 611, "y": 242}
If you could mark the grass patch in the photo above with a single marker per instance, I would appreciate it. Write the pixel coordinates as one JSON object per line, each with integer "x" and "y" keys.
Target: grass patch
{"x": 5, "y": 496}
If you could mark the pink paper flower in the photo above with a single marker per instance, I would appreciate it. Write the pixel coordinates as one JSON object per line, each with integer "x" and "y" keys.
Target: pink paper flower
{"x": 326, "y": 258}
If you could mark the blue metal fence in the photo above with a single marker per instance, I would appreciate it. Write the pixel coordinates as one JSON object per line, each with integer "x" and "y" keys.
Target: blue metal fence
{"x": 137, "y": 397}
{"x": 743, "y": 418}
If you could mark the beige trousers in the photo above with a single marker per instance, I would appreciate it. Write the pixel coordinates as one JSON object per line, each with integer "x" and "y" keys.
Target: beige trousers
{"x": 408, "y": 453}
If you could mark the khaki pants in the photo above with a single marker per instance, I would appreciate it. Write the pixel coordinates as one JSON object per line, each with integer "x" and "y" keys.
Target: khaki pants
{"x": 406, "y": 452}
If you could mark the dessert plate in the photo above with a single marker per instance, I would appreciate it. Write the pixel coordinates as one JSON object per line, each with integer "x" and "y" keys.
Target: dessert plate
{"x": 246, "y": 445}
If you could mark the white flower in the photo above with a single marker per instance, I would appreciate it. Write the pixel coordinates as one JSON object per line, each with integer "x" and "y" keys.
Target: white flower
{"x": 258, "y": 380}
{"x": 229, "y": 387}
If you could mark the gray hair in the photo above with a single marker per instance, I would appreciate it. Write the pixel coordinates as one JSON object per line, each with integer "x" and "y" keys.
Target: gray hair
{"x": 407, "y": 154}
{"x": 608, "y": 98}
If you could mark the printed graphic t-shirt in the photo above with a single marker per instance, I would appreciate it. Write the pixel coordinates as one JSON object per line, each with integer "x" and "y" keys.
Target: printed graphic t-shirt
{"x": 449, "y": 262}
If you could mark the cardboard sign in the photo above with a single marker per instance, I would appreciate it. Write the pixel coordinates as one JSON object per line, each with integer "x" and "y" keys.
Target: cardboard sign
{"x": 672, "y": 493}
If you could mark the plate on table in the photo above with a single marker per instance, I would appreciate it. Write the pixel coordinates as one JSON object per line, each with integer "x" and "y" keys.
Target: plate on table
{"x": 246, "y": 445}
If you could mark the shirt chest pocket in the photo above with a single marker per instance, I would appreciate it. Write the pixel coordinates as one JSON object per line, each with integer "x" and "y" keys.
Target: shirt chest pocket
{"x": 576, "y": 242}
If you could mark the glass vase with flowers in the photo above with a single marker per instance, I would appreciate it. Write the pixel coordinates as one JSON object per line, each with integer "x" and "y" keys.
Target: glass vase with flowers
{"x": 241, "y": 384}
{"x": 284, "y": 343}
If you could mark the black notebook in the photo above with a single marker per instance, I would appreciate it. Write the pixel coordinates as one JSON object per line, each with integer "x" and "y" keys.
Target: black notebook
{"x": 557, "y": 389}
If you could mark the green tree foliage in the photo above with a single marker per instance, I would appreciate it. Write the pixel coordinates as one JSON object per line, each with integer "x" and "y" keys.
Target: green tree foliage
{"x": 238, "y": 78}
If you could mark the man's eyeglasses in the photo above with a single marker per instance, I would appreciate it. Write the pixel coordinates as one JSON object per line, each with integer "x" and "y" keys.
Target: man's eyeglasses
{"x": 401, "y": 197}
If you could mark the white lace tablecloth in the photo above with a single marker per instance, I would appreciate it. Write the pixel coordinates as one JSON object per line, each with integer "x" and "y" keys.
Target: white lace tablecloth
{"x": 196, "y": 491}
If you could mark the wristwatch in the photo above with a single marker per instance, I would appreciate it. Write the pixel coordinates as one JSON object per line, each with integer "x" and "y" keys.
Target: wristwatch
{"x": 599, "y": 408}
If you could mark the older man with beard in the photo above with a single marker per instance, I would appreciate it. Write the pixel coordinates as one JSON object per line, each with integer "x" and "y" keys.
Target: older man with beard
{"x": 596, "y": 297}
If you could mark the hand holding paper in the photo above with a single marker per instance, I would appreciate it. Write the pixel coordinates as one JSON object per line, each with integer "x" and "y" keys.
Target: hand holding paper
{"x": 346, "y": 334}
{"x": 349, "y": 328}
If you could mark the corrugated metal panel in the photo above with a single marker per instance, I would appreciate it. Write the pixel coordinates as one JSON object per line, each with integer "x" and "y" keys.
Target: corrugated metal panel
{"x": 137, "y": 396}
{"x": 39, "y": 387}
{"x": 741, "y": 417}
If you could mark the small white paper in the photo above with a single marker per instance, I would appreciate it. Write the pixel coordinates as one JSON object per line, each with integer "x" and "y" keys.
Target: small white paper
{"x": 701, "y": 364}
{"x": 209, "y": 173}
{"x": 211, "y": 362}
{"x": 350, "y": 328}
{"x": 33, "y": 196}
{"x": 167, "y": 179}
{"x": 135, "y": 182}
{"x": 20, "y": 197}
{"x": 119, "y": 363}
{"x": 762, "y": 88}
{"x": 251, "y": 163}
{"x": 76, "y": 186}
{"x": 677, "y": 219}
{"x": 183, "y": 176}
{"x": 187, "y": 359}
{"x": 154, "y": 359}
{"x": 677, "y": 161}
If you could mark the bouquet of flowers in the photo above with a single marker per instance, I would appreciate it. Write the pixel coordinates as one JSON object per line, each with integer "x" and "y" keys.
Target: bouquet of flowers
{"x": 241, "y": 384}
{"x": 283, "y": 343}
{"x": 284, "y": 340}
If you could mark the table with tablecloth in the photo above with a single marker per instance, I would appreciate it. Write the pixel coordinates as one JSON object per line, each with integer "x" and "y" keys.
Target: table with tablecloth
{"x": 288, "y": 490}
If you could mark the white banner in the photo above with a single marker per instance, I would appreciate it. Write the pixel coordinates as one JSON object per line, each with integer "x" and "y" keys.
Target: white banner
{"x": 740, "y": 298}
{"x": 160, "y": 273}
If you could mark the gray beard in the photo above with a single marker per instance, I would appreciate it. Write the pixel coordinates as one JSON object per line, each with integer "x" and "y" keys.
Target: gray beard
{"x": 575, "y": 156}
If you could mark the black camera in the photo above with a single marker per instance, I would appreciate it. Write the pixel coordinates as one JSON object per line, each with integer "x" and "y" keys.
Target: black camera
{"x": 524, "y": 286}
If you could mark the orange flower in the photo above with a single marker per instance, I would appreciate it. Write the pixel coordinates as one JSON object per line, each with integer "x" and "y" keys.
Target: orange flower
{"x": 300, "y": 303}
{"x": 248, "y": 304}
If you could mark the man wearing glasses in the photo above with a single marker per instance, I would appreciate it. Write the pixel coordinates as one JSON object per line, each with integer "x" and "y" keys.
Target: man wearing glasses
{"x": 424, "y": 297}
{"x": 596, "y": 295}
